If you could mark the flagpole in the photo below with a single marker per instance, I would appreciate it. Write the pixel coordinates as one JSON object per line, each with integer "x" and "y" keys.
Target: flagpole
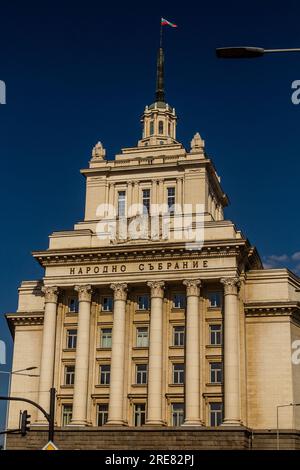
{"x": 161, "y": 34}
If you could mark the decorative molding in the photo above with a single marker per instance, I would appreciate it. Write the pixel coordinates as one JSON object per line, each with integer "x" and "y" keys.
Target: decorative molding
{"x": 231, "y": 285}
{"x": 84, "y": 293}
{"x": 192, "y": 287}
{"x": 120, "y": 291}
{"x": 157, "y": 288}
{"x": 50, "y": 293}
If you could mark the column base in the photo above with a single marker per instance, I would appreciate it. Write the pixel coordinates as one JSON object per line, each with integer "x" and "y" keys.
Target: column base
{"x": 116, "y": 422}
{"x": 155, "y": 422}
{"x": 231, "y": 422}
{"x": 78, "y": 422}
{"x": 193, "y": 422}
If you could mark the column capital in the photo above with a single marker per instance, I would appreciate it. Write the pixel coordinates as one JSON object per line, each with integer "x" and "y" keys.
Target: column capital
{"x": 157, "y": 288}
{"x": 84, "y": 293}
{"x": 50, "y": 293}
{"x": 192, "y": 287}
{"x": 231, "y": 285}
{"x": 120, "y": 291}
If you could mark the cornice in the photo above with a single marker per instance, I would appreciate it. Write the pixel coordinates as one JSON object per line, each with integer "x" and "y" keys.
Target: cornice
{"x": 272, "y": 308}
{"x": 24, "y": 319}
{"x": 142, "y": 252}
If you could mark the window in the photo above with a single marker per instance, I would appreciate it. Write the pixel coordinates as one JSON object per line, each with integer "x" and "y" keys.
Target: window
{"x": 171, "y": 200}
{"x": 143, "y": 302}
{"x": 177, "y": 414}
{"x": 71, "y": 339}
{"x": 146, "y": 201}
{"x": 215, "y": 299}
{"x": 142, "y": 337}
{"x": 107, "y": 304}
{"x": 102, "y": 414}
{"x": 121, "y": 203}
{"x": 105, "y": 337}
{"x": 179, "y": 301}
{"x": 73, "y": 305}
{"x": 178, "y": 336}
{"x": 151, "y": 127}
{"x": 160, "y": 127}
{"x": 141, "y": 374}
{"x": 178, "y": 373}
{"x": 69, "y": 375}
{"x": 216, "y": 372}
{"x": 215, "y": 414}
{"x": 215, "y": 334}
{"x": 104, "y": 374}
{"x": 66, "y": 414}
{"x": 139, "y": 414}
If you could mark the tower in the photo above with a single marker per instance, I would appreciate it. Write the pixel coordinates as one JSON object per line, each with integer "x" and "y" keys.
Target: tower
{"x": 159, "y": 118}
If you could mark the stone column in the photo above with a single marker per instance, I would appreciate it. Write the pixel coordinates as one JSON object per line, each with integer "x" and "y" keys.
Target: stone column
{"x": 192, "y": 354}
{"x": 154, "y": 416}
{"x": 116, "y": 394}
{"x": 48, "y": 349}
{"x": 79, "y": 415}
{"x": 232, "y": 412}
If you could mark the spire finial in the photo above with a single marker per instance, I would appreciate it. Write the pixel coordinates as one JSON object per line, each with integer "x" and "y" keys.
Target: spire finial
{"x": 160, "y": 91}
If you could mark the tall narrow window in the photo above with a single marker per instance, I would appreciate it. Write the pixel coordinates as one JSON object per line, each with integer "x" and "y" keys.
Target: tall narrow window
{"x": 179, "y": 300}
{"x": 143, "y": 302}
{"x": 141, "y": 374}
{"x": 216, "y": 372}
{"x": 178, "y": 374}
{"x": 105, "y": 337}
{"x": 178, "y": 336}
{"x": 69, "y": 375}
{"x": 171, "y": 200}
{"x": 102, "y": 414}
{"x": 177, "y": 414}
{"x": 151, "y": 127}
{"x": 107, "y": 304}
{"x": 121, "y": 203}
{"x": 215, "y": 334}
{"x": 66, "y": 414}
{"x": 104, "y": 374}
{"x": 73, "y": 305}
{"x": 216, "y": 414}
{"x": 71, "y": 339}
{"x": 139, "y": 414}
{"x": 215, "y": 299}
{"x": 142, "y": 337}
{"x": 146, "y": 201}
{"x": 160, "y": 127}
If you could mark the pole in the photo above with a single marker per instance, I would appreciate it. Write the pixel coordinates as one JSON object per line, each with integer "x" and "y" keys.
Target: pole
{"x": 7, "y": 409}
{"x": 160, "y": 35}
{"x": 52, "y": 413}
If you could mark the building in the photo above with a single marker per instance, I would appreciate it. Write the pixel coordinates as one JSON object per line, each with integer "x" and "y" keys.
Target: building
{"x": 155, "y": 314}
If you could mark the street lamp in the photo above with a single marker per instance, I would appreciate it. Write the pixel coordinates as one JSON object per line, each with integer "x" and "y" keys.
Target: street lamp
{"x": 283, "y": 406}
{"x": 246, "y": 52}
{"x": 10, "y": 373}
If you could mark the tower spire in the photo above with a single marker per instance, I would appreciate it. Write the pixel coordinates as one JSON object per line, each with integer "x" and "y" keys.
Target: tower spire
{"x": 160, "y": 90}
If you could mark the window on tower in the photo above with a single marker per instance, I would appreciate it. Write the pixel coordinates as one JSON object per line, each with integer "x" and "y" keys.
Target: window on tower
{"x": 151, "y": 127}
{"x": 160, "y": 127}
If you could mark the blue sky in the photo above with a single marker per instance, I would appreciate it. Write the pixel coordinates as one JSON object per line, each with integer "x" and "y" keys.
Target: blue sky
{"x": 77, "y": 73}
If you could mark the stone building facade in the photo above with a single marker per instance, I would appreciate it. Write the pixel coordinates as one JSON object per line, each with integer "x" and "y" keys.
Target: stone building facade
{"x": 155, "y": 311}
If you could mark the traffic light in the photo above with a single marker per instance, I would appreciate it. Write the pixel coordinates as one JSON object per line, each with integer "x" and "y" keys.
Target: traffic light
{"x": 25, "y": 422}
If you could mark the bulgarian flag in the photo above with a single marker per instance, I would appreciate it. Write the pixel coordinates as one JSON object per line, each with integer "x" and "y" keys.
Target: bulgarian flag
{"x": 165, "y": 22}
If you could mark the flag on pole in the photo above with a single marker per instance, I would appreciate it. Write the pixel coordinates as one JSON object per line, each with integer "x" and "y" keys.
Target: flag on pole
{"x": 165, "y": 22}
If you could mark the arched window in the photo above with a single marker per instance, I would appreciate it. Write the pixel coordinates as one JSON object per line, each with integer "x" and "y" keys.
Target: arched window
{"x": 160, "y": 127}
{"x": 169, "y": 129}
{"x": 151, "y": 127}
